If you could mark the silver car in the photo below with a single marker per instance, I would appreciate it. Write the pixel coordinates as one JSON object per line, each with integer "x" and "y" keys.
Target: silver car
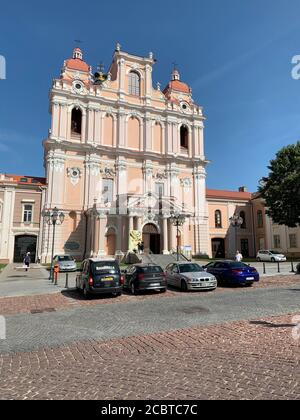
{"x": 190, "y": 276}
{"x": 65, "y": 263}
{"x": 273, "y": 256}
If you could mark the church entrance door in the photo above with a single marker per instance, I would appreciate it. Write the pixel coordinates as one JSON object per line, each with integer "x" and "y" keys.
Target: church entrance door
{"x": 151, "y": 239}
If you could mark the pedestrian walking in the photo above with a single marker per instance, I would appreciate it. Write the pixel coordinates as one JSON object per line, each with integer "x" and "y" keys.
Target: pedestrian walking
{"x": 27, "y": 261}
{"x": 238, "y": 257}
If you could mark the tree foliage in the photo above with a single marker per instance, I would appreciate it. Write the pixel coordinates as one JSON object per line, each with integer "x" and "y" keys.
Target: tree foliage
{"x": 281, "y": 189}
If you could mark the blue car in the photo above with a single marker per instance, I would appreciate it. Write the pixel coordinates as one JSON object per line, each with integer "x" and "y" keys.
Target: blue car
{"x": 231, "y": 272}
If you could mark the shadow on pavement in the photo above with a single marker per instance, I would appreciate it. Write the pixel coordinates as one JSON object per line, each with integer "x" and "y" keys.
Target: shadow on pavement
{"x": 271, "y": 325}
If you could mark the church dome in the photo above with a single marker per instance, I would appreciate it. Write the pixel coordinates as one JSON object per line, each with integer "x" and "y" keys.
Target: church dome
{"x": 77, "y": 63}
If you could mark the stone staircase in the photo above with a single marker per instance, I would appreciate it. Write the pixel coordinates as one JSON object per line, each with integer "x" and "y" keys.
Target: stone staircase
{"x": 162, "y": 260}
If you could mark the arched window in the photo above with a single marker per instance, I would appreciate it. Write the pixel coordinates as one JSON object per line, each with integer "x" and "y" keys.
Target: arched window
{"x": 76, "y": 122}
{"x": 184, "y": 137}
{"x": 260, "y": 219}
{"x": 134, "y": 84}
{"x": 243, "y": 216}
{"x": 218, "y": 219}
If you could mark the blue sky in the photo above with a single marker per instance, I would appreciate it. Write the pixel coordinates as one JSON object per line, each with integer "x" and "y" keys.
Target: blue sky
{"x": 236, "y": 55}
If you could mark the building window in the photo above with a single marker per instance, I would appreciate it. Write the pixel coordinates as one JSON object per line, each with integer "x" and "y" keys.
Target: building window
{"x": 260, "y": 220}
{"x": 134, "y": 84}
{"x": 108, "y": 191}
{"x": 243, "y": 216}
{"x": 184, "y": 137}
{"x": 277, "y": 243}
{"x": 293, "y": 240}
{"x": 218, "y": 219}
{"x": 160, "y": 189}
{"x": 27, "y": 213}
{"x": 76, "y": 122}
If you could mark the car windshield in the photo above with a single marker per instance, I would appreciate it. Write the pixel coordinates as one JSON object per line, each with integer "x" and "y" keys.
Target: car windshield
{"x": 152, "y": 270}
{"x": 190, "y": 268}
{"x": 237, "y": 265}
{"x": 105, "y": 268}
{"x": 65, "y": 258}
{"x": 275, "y": 252}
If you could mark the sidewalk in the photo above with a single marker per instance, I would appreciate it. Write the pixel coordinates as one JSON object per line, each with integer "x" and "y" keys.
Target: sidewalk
{"x": 15, "y": 281}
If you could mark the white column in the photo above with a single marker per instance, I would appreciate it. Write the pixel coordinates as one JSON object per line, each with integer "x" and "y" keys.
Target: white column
{"x": 7, "y": 223}
{"x": 166, "y": 236}
{"x": 97, "y": 134}
{"x": 121, "y": 129}
{"x": 83, "y": 128}
{"x": 102, "y": 236}
{"x": 130, "y": 229}
{"x": 63, "y": 122}
{"x": 90, "y": 126}
{"x": 55, "y": 119}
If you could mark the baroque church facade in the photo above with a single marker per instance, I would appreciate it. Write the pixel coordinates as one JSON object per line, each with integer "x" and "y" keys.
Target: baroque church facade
{"x": 123, "y": 157}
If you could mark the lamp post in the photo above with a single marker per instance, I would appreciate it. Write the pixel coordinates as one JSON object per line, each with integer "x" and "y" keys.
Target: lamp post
{"x": 236, "y": 222}
{"x": 177, "y": 220}
{"x": 53, "y": 217}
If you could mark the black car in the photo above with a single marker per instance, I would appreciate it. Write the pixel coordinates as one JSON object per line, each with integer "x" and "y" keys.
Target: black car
{"x": 98, "y": 277}
{"x": 142, "y": 277}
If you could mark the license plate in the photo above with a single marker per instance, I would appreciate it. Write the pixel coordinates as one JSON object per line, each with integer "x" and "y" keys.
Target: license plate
{"x": 155, "y": 285}
{"x": 249, "y": 278}
{"x": 108, "y": 279}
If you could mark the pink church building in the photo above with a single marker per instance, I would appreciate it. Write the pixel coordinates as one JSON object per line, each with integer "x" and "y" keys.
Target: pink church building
{"x": 122, "y": 157}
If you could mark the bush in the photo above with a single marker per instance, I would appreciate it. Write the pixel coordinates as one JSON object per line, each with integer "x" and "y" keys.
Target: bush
{"x": 201, "y": 257}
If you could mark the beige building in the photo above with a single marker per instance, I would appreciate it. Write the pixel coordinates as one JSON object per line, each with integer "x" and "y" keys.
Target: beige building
{"x": 21, "y": 200}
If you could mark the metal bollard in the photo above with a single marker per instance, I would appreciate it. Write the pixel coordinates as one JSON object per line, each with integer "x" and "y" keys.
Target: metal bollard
{"x": 278, "y": 267}
{"x": 265, "y": 272}
{"x": 293, "y": 269}
{"x": 67, "y": 281}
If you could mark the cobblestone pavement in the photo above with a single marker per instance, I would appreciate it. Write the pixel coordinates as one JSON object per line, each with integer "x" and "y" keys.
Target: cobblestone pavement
{"x": 71, "y": 298}
{"x": 240, "y": 360}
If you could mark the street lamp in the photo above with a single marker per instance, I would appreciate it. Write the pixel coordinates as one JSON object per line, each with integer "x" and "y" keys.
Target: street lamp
{"x": 177, "y": 220}
{"x": 236, "y": 222}
{"x": 53, "y": 217}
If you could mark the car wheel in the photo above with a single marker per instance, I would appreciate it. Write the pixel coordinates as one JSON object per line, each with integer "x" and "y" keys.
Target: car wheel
{"x": 163, "y": 290}
{"x": 133, "y": 289}
{"x": 117, "y": 294}
{"x": 273, "y": 260}
{"x": 184, "y": 286}
{"x": 248, "y": 284}
{"x": 258, "y": 259}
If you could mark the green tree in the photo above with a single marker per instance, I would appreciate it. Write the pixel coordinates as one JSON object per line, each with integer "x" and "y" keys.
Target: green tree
{"x": 281, "y": 189}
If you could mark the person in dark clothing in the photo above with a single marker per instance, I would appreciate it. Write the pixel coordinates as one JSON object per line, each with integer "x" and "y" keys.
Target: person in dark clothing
{"x": 27, "y": 261}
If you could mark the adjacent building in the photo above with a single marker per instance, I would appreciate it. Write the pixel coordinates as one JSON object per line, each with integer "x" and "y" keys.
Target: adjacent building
{"x": 21, "y": 201}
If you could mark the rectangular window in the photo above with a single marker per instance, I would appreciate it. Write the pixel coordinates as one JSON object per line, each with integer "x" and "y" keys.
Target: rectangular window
{"x": 159, "y": 189}
{"x": 27, "y": 213}
{"x": 277, "y": 242}
{"x": 293, "y": 241}
{"x": 108, "y": 191}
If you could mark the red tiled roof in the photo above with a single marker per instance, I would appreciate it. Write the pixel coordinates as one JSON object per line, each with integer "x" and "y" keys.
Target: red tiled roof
{"x": 25, "y": 180}
{"x": 227, "y": 195}
{"x": 178, "y": 85}
{"x": 77, "y": 64}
